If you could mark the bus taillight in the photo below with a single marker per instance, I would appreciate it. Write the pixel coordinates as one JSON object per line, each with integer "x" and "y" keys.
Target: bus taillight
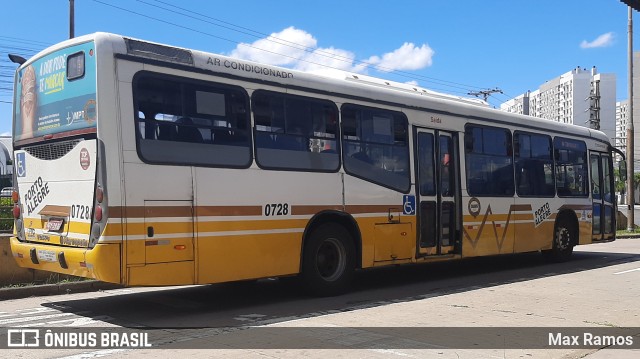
{"x": 15, "y": 197}
{"x": 99, "y": 194}
{"x": 98, "y": 215}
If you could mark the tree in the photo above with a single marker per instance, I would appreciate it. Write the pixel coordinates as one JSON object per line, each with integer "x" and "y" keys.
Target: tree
{"x": 621, "y": 186}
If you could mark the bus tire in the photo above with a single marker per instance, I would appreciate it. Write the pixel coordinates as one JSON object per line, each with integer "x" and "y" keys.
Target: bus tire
{"x": 564, "y": 239}
{"x": 328, "y": 260}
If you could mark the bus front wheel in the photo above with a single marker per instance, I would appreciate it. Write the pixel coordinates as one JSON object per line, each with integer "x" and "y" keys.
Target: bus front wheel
{"x": 328, "y": 260}
{"x": 564, "y": 239}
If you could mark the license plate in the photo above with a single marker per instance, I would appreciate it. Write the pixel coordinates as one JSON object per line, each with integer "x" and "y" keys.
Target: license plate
{"x": 54, "y": 224}
{"x": 47, "y": 256}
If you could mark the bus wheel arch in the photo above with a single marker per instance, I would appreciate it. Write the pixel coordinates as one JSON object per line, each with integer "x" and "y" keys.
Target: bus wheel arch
{"x": 330, "y": 253}
{"x": 565, "y": 236}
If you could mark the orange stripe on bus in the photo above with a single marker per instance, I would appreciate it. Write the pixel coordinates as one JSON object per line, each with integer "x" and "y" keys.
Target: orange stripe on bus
{"x": 182, "y": 211}
{"x": 299, "y": 210}
{"x": 381, "y": 208}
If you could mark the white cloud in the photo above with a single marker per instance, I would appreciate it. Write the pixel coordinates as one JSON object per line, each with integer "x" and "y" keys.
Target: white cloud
{"x": 298, "y": 49}
{"x": 322, "y": 58}
{"x": 407, "y": 57}
{"x": 282, "y": 48}
{"x": 603, "y": 40}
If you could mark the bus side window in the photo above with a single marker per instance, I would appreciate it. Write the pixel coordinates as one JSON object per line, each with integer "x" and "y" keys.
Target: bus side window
{"x": 571, "y": 167}
{"x": 193, "y": 121}
{"x": 488, "y": 154}
{"x": 375, "y": 145}
{"x": 534, "y": 164}
{"x": 295, "y": 132}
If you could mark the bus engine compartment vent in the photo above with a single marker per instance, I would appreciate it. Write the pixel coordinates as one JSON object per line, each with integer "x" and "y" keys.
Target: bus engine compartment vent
{"x": 52, "y": 151}
{"x": 158, "y": 52}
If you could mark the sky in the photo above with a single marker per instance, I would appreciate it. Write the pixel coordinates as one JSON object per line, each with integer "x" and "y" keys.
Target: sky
{"x": 448, "y": 46}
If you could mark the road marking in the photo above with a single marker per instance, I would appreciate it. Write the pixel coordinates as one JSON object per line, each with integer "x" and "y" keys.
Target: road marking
{"x": 28, "y": 319}
{"x": 27, "y": 311}
{"x": 72, "y": 322}
{"x": 393, "y": 352}
{"x": 628, "y": 271}
{"x": 96, "y": 354}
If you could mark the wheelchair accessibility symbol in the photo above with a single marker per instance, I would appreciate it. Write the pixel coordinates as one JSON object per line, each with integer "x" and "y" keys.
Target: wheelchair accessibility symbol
{"x": 409, "y": 204}
{"x": 21, "y": 165}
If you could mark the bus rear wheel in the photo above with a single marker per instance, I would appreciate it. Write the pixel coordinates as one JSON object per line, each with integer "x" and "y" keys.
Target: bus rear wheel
{"x": 328, "y": 260}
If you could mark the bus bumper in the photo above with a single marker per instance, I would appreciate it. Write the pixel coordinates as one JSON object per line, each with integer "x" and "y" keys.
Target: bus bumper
{"x": 102, "y": 262}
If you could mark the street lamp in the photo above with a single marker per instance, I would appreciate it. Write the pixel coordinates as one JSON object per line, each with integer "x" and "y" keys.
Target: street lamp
{"x": 634, "y": 4}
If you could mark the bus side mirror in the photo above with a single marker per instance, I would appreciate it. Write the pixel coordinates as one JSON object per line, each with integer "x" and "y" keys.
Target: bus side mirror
{"x": 622, "y": 170}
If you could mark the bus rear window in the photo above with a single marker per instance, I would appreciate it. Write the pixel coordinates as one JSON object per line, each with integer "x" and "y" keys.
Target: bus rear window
{"x": 55, "y": 95}
{"x": 75, "y": 66}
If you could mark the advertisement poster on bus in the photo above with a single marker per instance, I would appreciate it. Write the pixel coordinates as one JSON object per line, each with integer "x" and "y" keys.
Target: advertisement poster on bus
{"x": 56, "y": 93}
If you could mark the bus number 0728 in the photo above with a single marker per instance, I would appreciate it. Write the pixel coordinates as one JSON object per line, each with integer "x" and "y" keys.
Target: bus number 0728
{"x": 80, "y": 211}
{"x": 276, "y": 209}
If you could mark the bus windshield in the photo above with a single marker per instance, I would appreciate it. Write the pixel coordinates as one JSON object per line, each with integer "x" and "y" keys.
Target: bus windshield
{"x": 56, "y": 95}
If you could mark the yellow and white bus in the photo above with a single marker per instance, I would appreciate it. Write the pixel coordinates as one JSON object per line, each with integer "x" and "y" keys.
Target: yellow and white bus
{"x": 145, "y": 164}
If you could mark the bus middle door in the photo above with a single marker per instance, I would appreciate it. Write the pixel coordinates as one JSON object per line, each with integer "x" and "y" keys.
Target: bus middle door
{"x": 437, "y": 191}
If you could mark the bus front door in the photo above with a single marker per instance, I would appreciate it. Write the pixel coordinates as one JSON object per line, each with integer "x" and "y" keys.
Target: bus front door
{"x": 437, "y": 190}
{"x": 603, "y": 196}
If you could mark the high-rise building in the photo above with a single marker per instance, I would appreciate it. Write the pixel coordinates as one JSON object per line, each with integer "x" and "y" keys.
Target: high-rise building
{"x": 581, "y": 97}
{"x": 622, "y": 116}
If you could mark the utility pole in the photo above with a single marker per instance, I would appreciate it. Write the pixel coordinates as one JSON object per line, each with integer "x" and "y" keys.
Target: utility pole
{"x": 632, "y": 5}
{"x": 72, "y": 24}
{"x": 484, "y": 93}
{"x": 630, "y": 132}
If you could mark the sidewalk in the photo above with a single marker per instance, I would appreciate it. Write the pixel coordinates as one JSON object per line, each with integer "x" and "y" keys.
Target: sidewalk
{"x": 614, "y": 354}
{"x": 53, "y": 289}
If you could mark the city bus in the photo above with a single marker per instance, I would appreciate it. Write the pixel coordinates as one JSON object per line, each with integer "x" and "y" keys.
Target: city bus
{"x": 145, "y": 164}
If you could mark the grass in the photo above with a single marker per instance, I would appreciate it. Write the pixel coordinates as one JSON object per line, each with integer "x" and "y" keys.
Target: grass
{"x": 624, "y": 232}
{"x": 54, "y": 278}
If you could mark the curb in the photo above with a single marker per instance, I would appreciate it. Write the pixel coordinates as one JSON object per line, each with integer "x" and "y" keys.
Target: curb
{"x": 55, "y": 289}
{"x": 628, "y": 236}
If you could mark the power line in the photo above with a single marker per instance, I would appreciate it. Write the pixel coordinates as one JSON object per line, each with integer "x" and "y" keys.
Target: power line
{"x": 240, "y": 29}
{"x": 280, "y": 41}
{"x": 24, "y": 41}
{"x": 258, "y": 34}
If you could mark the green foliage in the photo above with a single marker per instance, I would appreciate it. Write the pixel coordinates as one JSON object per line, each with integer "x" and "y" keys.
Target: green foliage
{"x": 621, "y": 186}
{"x": 6, "y": 216}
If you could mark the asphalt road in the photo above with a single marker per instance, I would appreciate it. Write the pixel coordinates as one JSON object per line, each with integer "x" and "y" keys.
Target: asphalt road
{"x": 598, "y": 289}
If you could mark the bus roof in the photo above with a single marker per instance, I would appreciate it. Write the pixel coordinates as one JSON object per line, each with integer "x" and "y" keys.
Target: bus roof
{"x": 334, "y": 82}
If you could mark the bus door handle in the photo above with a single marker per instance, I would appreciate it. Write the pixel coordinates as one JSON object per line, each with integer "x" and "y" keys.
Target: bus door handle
{"x": 149, "y": 231}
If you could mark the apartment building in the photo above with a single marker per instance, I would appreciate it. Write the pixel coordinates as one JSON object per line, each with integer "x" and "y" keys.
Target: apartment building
{"x": 581, "y": 97}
